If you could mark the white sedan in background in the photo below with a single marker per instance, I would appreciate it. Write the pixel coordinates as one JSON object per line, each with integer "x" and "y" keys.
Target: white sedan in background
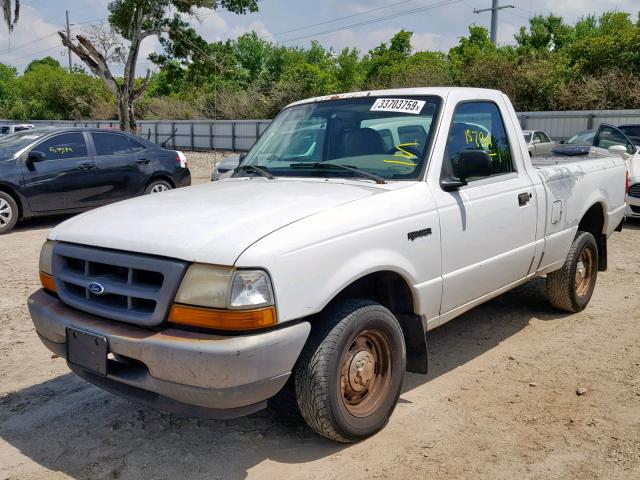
{"x": 538, "y": 142}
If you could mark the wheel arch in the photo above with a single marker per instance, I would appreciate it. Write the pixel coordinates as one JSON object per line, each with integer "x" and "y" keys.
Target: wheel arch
{"x": 9, "y": 190}
{"x": 160, "y": 176}
{"x": 594, "y": 222}
{"x": 392, "y": 290}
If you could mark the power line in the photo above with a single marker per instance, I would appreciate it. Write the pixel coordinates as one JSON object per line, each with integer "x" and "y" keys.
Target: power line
{"x": 375, "y": 20}
{"x": 338, "y": 19}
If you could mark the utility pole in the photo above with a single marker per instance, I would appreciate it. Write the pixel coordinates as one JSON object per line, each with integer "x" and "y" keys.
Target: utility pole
{"x": 495, "y": 7}
{"x": 68, "y": 36}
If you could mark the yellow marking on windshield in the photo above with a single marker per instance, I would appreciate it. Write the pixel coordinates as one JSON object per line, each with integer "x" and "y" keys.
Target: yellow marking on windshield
{"x": 398, "y": 162}
{"x": 405, "y": 153}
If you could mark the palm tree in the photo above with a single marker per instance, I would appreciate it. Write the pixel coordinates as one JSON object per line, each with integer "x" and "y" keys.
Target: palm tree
{"x": 10, "y": 19}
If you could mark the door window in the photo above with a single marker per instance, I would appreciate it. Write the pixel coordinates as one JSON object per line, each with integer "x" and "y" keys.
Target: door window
{"x": 114, "y": 144}
{"x": 544, "y": 138}
{"x": 61, "y": 147}
{"x": 609, "y": 136}
{"x": 478, "y": 126}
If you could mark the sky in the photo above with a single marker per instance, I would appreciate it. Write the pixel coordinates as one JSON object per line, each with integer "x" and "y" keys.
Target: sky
{"x": 437, "y": 24}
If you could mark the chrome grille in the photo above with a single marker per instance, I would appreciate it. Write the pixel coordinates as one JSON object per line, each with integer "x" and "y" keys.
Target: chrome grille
{"x": 121, "y": 286}
{"x": 634, "y": 190}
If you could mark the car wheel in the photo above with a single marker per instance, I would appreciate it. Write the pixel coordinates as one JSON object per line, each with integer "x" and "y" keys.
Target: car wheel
{"x": 158, "y": 186}
{"x": 350, "y": 373}
{"x": 8, "y": 213}
{"x": 571, "y": 287}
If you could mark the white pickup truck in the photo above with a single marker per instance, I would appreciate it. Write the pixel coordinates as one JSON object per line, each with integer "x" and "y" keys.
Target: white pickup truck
{"x": 355, "y": 225}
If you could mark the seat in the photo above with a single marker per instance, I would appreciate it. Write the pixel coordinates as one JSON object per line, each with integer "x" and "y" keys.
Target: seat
{"x": 363, "y": 141}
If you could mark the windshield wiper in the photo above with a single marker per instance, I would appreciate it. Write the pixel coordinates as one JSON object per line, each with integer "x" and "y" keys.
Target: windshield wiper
{"x": 357, "y": 171}
{"x": 252, "y": 168}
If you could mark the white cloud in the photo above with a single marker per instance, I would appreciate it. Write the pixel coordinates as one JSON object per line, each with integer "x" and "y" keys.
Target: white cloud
{"x": 19, "y": 48}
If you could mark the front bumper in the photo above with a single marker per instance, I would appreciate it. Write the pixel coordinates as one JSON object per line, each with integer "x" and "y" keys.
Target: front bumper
{"x": 185, "y": 372}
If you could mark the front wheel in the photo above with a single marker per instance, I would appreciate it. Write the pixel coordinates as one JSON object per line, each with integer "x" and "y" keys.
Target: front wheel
{"x": 158, "y": 186}
{"x": 8, "y": 213}
{"x": 571, "y": 287}
{"x": 350, "y": 373}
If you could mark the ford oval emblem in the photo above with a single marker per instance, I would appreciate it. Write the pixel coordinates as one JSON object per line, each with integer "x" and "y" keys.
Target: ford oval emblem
{"x": 96, "y": 288}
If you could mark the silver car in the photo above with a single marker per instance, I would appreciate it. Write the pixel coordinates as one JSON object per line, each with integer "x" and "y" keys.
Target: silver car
{"x": 538, "y": 142}
{"x": 225, "y": 166}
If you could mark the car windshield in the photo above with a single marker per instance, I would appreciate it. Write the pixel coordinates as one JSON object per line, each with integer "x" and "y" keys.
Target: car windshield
{"x": 383, "y": 137}
{"x": 633, "y": 132}
{"x": 12, "y": 143}
{"x": 527, "y": 137}
{"x": 582, "y": 138}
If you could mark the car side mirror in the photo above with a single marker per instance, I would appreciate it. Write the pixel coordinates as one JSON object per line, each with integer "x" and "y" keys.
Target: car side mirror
{"x": 471, "y": 163}
{"x": 241, "y": 157}
{"x": 474, "y": 163}
{"x": 562, "y": 142}
{"x": 35, "y": 156}
{"x": 619, "y": 150}
{"x": 535, "y": 141}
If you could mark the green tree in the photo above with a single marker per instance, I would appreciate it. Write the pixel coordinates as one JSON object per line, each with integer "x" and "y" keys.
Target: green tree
{"x": 136, "y": 20}
{"x": 52, "y": 62}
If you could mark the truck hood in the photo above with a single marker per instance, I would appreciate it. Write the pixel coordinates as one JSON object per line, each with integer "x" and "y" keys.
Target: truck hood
{"x": 211, "y": 223}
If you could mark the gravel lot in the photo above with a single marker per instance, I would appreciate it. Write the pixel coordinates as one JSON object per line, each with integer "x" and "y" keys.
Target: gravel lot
{"x": 500, "y": 400}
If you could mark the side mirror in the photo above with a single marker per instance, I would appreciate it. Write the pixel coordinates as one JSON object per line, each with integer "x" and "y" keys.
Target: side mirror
{"x": 241, "y": 157}
{"x": 561, "y": 142}
{"x": 535, "y": 141}
{"x": 619, "y": 150}
{"x": 35, "y": 156}
{"x": 474, "y": 163}
{"x": 471, "y": 163}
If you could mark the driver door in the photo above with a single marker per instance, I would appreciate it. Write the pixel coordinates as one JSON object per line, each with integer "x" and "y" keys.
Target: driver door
{"x": 65, "y": 178}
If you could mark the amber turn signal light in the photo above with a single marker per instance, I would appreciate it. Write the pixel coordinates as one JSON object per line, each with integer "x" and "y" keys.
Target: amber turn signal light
{"x": 47, "y": 282}
{"x": 222, "y": 319}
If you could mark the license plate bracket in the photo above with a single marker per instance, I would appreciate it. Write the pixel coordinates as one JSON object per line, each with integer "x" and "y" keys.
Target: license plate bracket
{"x": 87, "y": 350}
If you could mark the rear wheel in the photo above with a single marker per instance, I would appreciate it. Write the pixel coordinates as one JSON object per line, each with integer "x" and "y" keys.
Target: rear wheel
{"x": 8, "y": 213}
{"x": 350, "y": 373}
{"x": 571, "y": 287}
{"x": 158, "y": 186}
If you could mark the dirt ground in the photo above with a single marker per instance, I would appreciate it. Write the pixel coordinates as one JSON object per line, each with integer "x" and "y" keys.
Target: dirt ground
{"x": 500, "y": 400}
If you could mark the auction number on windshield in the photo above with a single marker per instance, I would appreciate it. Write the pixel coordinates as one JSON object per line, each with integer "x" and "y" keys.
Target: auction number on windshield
{"x": 399, "y": 105}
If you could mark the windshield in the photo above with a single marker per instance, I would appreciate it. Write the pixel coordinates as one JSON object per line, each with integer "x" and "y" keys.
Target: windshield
{"x": 633, "y": 132}
{"x": 582, "y": 138}
{"x": 527, "y": 137}
{"x": 387, "y": 137}
{"x": 14, "y": 142}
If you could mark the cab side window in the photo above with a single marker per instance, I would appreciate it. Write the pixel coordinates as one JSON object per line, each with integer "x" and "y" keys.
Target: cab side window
{"x": 478, "y": 126}
{"x": 608, "y": 137}
{"x": 62, "y": 147}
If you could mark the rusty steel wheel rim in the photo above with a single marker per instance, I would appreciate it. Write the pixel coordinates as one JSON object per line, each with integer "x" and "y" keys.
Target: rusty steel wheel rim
{"x": 584, "y": 269}
{"x": 365, "y": 375}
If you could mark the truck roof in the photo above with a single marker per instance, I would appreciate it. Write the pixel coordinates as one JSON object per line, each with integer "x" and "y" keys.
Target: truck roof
{"x": 435, "y": 91}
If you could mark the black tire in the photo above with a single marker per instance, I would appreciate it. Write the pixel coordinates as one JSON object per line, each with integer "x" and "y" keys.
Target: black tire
{"x": 158, "y": 186}
{"x": 567, "y": 288}
{"x": 332, "y": 350}
{"x": 9, "y": 213}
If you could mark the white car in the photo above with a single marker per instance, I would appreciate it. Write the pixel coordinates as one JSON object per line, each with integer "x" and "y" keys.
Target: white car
{"x": 317, "y": 271}
{"x": 9, "y": 129}
{"x": 538, "y": 142}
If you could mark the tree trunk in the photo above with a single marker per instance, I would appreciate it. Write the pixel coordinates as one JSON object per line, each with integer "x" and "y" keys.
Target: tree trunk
{"x": 123, "y": 111}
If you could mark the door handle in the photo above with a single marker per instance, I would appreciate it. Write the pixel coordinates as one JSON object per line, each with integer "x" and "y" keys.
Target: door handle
{"x": 85, "y": 165}
{"x": 143, "y": 161}
{"x": 524, "y": 198}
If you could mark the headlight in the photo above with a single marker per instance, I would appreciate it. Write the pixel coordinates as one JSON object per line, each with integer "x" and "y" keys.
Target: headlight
{"x": 224, "y": 299}
{"x": 205, "y": 286}
{"x": 250, "y": 288}
{"x": 46, "y": 257}
{"x": 46, "y": 266}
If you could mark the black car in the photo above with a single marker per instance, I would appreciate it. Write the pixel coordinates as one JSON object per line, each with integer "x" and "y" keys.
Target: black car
{"x": 49, "y": 171}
